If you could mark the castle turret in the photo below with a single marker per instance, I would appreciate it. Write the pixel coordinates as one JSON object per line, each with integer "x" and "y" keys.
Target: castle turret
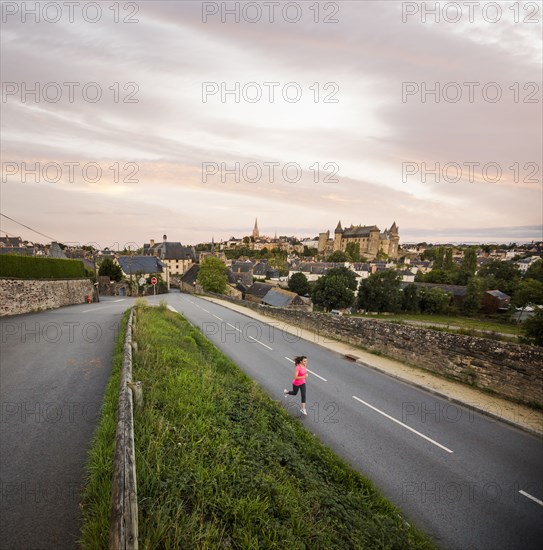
{"x": 338, "y": 235}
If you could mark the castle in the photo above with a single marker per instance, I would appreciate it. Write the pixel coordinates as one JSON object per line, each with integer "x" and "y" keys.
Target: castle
{"x": 369, "y": 237}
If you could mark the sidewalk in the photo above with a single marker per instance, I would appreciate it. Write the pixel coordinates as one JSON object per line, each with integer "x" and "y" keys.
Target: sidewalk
{"x": 526, "y": 418}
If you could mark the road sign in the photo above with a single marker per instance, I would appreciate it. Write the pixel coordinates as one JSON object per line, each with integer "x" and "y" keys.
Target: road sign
{"x": 141, "y": 281}
{"x": 153, "y": 280}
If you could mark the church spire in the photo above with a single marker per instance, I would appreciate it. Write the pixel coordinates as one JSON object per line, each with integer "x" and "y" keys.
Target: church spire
{"x": 256, "y": 233}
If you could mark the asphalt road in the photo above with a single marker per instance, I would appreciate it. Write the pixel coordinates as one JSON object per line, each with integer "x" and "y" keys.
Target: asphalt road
{"x": 54, "y": 366}
{"x": 469, "y": 481}
{"x": 466, "y": 480}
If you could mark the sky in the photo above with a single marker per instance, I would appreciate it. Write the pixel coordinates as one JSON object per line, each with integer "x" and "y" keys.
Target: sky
{"x": 122, "y": 122}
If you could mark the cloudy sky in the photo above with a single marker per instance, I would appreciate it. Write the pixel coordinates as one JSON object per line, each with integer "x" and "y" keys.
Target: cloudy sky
{"x": 125, "y": 121}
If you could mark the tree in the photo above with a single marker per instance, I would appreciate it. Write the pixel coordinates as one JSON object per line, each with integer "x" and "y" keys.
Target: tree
{"x": 535, "y": 271}
{"x": 212, "y": 275}
{"x": 469, "y": 266}
{"x": 533, "y": 328}
{"x": 381, "y": 255}
{"x": 440, "y": 276}
{"x": 439, "y": 257}
{"x": 528, "y": 292}
{"x": 448, "y": 262}
{"x": 380, "y": 292}
{"x": 309, "y": 251}
{"x": 472, "y": 298}
{"x": 498, "y": 275}
{"x": 335, "y": 289}
{"x": 434, "y": 300}
{"x": 338, "y": 256}
{"x": 344, "y": 273}
{"x": 111, "y": 270}
{"x": 298, "y": 283}
{"x": 410, "y": 299}
{"x": 352, "y": 250}
{"x": 330, "y": 292}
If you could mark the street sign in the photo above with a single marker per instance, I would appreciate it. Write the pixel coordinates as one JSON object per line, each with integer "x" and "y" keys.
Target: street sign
{"x": 153, "y": 280}
{"x": 141, "y": 281}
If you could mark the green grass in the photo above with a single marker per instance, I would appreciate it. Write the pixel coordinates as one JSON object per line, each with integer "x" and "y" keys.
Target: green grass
{"x": 452, "y": 321}
{"x": 96, "y": 502}
{"x": 221, "y": 465}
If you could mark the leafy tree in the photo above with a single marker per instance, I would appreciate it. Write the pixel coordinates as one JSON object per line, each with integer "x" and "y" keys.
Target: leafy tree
{"x": 381, "y": 255}
{"x": 345, "y": 274}
{"x": 410, "y": 299}
{"x": 335, "y": 290}
{"x": 352, "y": 250}
{"x": 533, "y": 328}
{"x": 469, "y": 266}
{"x": 212, "y": 275}
{"x": 434, "y": 300}
{"x": 309, "y": 251}
{"x": 440, "y": 276}
{"x": 439, "y": 256}
{"x": 503, "y": 276}
{"x": 338, "y": 256}
{"x": 298, "y": 283}
{"x": 420, "y": 277}
{"x": 111, "y": 270}
{"x": 528, "y": 292}
{"x": 330, "y": 292}
{"x": 535, "y": 271}
{"x": 380, "y": 292}
{"x": 448, "y": 262}
{"x": 472, "y": 298}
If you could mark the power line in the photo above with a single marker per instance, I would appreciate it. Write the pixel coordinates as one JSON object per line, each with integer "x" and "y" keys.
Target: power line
{"x": 27, "y": 227}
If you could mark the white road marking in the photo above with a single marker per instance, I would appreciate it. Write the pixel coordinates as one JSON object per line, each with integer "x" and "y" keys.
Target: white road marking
{"x": 216, "y": 317}
{"x": 261, "y": 343}
{"x": 95, "y": 308}
{"x": 171, "y": 308}
{"x": 531, "y": 497}
{"x": 120, "y": 300}
{"x": 239, "y": 330}
{"x": 204, "y": 309}
{"x": 313, "y": 373}
{"x": 404, "y": 425}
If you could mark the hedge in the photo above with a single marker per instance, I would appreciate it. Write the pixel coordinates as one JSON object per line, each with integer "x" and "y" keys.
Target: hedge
{"x": 34, "y": 267}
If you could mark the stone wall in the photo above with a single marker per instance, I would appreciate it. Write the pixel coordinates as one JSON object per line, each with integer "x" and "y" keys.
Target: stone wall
{"x": 24, "y": 296}
{"x": 510, "y": 370}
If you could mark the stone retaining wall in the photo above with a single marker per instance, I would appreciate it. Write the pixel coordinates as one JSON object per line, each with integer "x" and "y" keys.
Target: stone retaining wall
{"x": 24, "y": 296}
{"x": 510, "y": 370}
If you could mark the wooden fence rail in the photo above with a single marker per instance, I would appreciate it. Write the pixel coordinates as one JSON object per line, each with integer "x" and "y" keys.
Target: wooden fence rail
{"x": 123, "y": 518}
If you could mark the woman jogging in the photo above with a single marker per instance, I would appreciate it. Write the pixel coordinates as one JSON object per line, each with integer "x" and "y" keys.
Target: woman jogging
{"x": 300, "y": 374}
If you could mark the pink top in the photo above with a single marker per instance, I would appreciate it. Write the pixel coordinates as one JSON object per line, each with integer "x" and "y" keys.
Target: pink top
{"x": 300, "y": 371}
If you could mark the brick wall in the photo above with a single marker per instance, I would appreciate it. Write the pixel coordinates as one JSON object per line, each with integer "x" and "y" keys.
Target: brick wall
{"x": 510, "y": 370}
{"x": 23, "y": 296}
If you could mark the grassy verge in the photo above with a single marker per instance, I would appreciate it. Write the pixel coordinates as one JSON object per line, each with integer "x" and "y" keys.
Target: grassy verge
{"x": 221, "y": 465}
{"x": 96, "y": 500}
{"x": 445, "y": 320}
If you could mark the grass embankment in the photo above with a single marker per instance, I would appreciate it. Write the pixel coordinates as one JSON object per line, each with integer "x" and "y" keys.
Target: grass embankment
{"x": 443, "y": 321}
{"x": 96, "y": 502}
{"x": 221, "y": 465}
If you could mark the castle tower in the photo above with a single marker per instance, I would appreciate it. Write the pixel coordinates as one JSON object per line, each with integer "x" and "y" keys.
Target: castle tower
{"x": 338, "y": 234}
{"x": 393, "y": 247}
{"x": 323, "y": 242}
{"x": 256, "y": 232}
